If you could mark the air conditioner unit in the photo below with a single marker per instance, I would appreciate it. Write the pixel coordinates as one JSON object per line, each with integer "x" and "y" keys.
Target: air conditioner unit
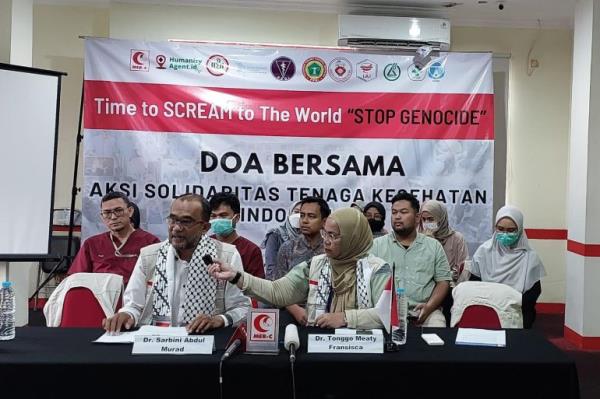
{"x": 393, "y": 32}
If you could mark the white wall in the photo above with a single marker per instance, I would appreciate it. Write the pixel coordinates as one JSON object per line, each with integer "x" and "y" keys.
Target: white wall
{"x": 538, "y": 133}
{"x": 538, "y": 104}
{"x": 56, "y": 46}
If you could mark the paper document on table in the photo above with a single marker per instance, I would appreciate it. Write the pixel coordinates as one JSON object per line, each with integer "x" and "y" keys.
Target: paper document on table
{"x": 128, "y": 337}
{"x": 479, "y": 337}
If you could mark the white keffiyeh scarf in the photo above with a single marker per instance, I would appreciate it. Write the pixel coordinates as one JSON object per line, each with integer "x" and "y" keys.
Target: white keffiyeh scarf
{"x": 200, "y": 288}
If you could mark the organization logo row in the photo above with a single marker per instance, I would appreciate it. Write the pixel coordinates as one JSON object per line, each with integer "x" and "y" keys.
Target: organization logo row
{"x": 313, "y": 69}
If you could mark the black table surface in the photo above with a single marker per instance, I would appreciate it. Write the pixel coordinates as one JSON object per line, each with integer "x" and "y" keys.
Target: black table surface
{"x": 54, "y": 362}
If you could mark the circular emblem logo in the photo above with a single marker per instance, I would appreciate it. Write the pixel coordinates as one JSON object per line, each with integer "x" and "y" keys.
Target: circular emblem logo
{"x": 340, "y": 69}
{"x": 391, "y": 72}
{"x": 314, "y": 69}
{"x": 283, "y": 68}
{"x": 217, "y": 65}
{"x": 436, "y": 71}
{"x": 415, "y": 73}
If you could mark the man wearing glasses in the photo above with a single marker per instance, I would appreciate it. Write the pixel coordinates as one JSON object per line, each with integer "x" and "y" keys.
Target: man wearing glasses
{"x": 170, "y": 285}
{"x": 116, "y": 250}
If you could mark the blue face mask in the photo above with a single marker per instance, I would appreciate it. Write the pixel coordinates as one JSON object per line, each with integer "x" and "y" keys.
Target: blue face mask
{"x": 507, "y": 239}
{"x": 222, "y": 227}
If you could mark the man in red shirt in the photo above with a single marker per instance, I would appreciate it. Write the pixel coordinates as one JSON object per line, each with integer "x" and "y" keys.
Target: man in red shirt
{"x": 116, "y": 250}
{"x": 224, "y": 214}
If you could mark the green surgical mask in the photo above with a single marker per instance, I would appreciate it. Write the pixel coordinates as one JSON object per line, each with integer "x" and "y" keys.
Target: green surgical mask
{"x": 507, "y": 239}
{"x": 222, "y": 227}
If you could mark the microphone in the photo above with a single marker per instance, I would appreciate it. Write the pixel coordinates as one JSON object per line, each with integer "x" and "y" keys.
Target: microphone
{"x": 291, "y": 342}
{"x": 232, "y": 348}
{"x": 237, "y": 339}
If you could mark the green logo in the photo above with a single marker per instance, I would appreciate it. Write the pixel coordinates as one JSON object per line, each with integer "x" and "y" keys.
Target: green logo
{"x": 391, "y": 72}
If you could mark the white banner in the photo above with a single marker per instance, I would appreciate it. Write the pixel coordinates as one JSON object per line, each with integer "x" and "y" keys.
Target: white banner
{"x": 276, "y": 124}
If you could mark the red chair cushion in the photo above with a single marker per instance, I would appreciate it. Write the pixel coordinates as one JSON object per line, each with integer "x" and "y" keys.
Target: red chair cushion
{"x": 479, "y": 316}
{"x": 81, "y": 309}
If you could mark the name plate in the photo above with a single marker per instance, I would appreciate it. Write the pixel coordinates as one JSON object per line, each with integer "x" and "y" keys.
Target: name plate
{"x": 173, "y": 345}
{"x": 331, "y": 343}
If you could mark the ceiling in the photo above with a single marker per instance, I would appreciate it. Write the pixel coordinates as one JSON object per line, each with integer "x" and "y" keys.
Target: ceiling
{"x": 515, "y": 13}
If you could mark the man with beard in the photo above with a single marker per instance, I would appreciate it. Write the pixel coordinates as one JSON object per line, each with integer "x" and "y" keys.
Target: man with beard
{"x": 117, "y": 250}
{"x": 170, "y": 285}
{"x": 421, "y": 267}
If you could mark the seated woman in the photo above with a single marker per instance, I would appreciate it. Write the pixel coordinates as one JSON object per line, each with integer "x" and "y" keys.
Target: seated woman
{"x": 340, "y": 287}
{"x": 434, "y": 223}
{"x": 275, "y": 238}
{"x": 508, "y": 259}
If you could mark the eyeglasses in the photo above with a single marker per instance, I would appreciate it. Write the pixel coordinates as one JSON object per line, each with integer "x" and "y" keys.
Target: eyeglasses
{"x": 108, "y": 214}
{"x": 183, "y": 223}
{"x": 330, "y": 236}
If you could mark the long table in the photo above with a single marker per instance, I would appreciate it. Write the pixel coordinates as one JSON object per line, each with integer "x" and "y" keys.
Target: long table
{"x": 64, "y": 363}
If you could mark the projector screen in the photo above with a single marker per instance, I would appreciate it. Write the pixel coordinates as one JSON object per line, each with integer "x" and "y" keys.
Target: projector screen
{"x": 29, "y": 107}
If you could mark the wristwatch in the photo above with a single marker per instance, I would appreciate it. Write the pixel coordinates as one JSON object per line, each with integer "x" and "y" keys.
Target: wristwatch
{"x": 236, "y": 278}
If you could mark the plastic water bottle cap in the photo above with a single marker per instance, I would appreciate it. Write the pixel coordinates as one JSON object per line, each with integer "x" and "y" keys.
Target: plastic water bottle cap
{"x": 399, "y": 290}
{"x": 6, "y": 284}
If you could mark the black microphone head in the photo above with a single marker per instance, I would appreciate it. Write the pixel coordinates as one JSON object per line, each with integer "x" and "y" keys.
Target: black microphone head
{"x": 207, "y": 259}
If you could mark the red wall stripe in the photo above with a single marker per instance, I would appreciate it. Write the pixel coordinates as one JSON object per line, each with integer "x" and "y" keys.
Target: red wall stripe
{"x": 591, "y": 250}
{"x": 546, "y": 234}
{"x": 580, "y": 341}
{"x": 550, "y": 308}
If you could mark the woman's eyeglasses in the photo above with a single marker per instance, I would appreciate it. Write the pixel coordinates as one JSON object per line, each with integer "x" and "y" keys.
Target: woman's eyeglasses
{"x": 330, "y": 236}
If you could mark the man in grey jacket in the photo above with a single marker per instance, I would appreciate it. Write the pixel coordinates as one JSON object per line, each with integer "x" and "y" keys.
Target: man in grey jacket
{"x": 170, "y": 285}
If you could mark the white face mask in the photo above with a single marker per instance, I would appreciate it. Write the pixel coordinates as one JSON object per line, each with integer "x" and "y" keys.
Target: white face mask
{"x": 294, "y": 219}
{"x": 430, "y": 226}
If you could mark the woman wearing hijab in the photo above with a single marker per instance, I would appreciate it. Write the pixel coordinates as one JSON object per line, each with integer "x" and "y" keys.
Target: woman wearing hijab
{"x": 434, "y": 223}
{"x": 375, "y": 213}
{"x": 275, "y": 238}
{"x": 508, "y": 259}
{"x": 340, "y": 287}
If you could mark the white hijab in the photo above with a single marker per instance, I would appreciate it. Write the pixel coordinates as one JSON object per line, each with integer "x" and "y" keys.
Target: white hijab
{"x": 517, "y": 266}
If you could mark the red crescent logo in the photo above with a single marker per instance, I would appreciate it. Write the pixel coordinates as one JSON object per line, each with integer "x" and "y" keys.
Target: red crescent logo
{"x": 137, "y": 58}
{"x": 259, "y": 323}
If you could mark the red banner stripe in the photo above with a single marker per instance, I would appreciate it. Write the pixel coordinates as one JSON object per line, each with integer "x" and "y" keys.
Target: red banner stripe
{"x": 332, "y": 114}
{"x": 591, "y": 250}
{"x": 313, "y": 282}
{"x": 546, "y": 234}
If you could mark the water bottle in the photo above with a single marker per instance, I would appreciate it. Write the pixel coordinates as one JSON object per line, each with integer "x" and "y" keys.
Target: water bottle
{"x": 7, "y": 312}
{"x": 399, "y": 333}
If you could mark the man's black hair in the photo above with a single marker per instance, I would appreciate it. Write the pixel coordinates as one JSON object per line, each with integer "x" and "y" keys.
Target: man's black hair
{"x": 223, "y": 198}
{"x": 325, "y": 211}
{"x": 404, "y": 196}
{"x": 116, "y": 195}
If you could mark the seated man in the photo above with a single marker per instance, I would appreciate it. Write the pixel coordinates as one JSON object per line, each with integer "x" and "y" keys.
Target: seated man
{"x": 420, "y": 262}
{"x": 313, "y": 213}
{"x": 117, "y": 250}
{"x": 224, "y": 215}
{"x": 170, "y": 284}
